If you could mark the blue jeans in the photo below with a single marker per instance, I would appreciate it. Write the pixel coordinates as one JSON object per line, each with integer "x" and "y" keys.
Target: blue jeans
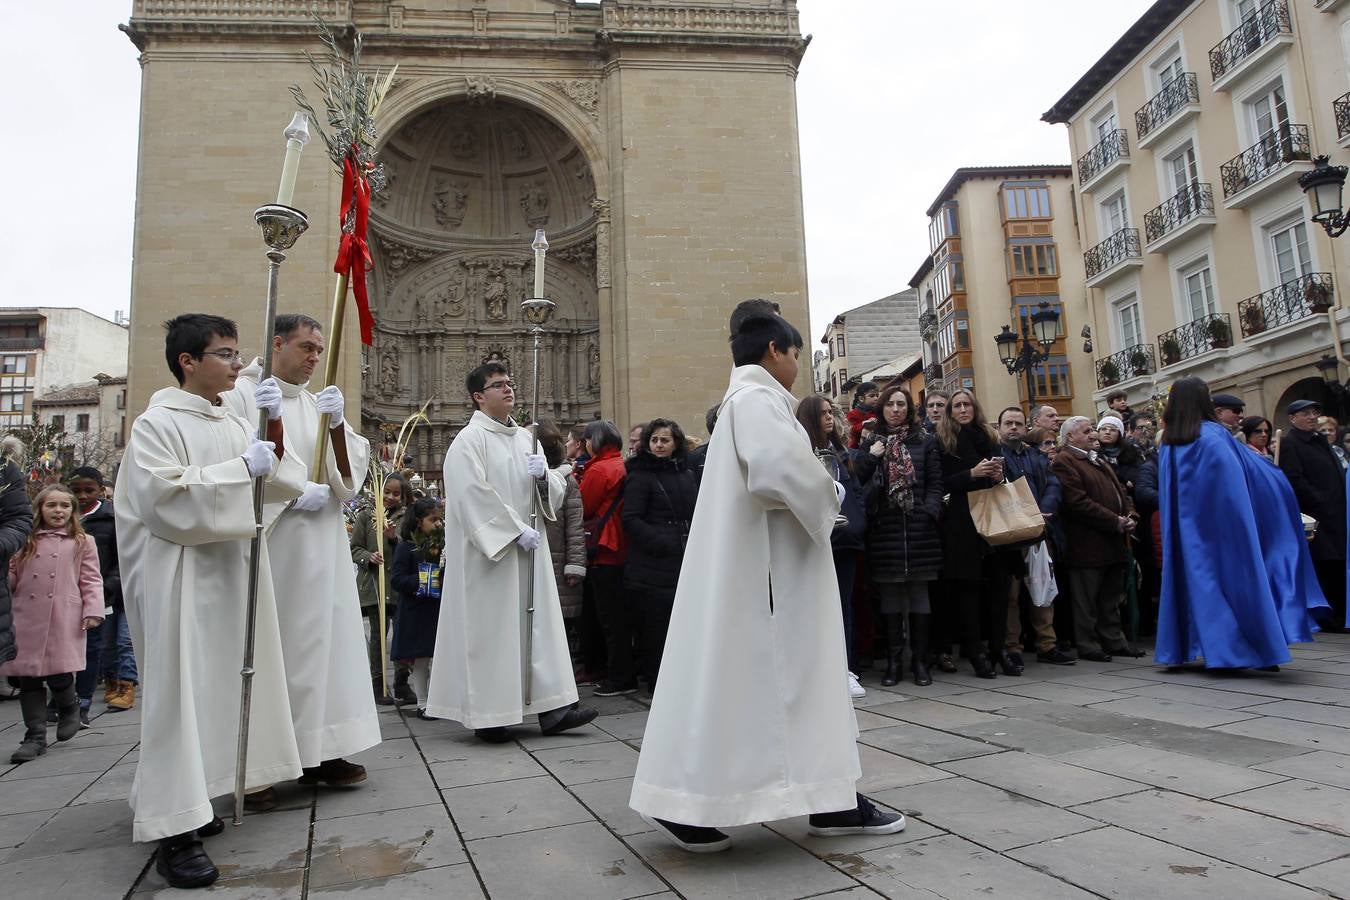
{"x": 119, "y": 658}
{"x": 87, "y": 680}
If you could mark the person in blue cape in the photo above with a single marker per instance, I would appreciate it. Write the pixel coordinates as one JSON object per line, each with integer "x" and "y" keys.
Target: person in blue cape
{"x": 1238, "y": 583}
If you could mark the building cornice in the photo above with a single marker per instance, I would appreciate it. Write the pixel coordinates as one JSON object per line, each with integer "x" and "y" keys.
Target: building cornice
{"x": 966, "y": 173}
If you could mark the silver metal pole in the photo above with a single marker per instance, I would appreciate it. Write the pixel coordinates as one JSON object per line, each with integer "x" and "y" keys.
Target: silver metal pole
{"x": 538, "y": 332}
{"x": 281, "y": 226}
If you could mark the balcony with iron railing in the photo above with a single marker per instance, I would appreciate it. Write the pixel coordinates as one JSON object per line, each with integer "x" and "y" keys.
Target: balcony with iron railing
{"x": 1177, "y": 102}
{"x": 1278, "y": 158}
{"x": 928, "y": 322}
{"x": 1261, "y": 34}
{"x": 1132, "y": 362}
{"x": 1341, "y": 108}
{"x": 1189, "y": 210}
{"x": 1107, "y": 155}
{"x": 932, "y": 373}
{"x": 1118, "y": 253}
{"x": 1210, "y": 332}
{"x": 14, "y": 344}
{"x": 1295, "y": 300}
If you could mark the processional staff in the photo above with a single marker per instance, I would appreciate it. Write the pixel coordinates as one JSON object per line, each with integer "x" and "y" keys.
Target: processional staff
{"x": 538, "y": 310}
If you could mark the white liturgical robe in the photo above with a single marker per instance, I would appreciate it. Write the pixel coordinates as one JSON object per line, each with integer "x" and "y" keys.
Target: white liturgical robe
{"x": 322, "y": 632}
{"x": 477, "y": 677}
{"x": 752, "y": 719}
{"x": 184, "y": 505}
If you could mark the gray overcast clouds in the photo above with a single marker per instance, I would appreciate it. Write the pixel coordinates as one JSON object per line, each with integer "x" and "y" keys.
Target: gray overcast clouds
{"x": 893, "y": 95}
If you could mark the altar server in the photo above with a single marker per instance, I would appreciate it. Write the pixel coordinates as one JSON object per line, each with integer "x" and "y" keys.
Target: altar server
{"x": 492, "y": 473}
{"x": 184, "y": 505}
{"x": 322, "y": 633}
{"x": 752, "y": 720}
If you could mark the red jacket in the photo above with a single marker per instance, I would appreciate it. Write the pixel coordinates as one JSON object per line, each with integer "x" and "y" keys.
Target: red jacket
{"x": 856, "y": 417}
{"x": 602, "y": 486}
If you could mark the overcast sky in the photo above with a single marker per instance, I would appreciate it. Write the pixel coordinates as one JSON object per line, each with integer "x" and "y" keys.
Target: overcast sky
{"x": 893, "y": 95}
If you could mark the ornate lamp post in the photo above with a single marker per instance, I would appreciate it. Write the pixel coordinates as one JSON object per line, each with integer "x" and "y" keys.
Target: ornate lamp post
{"x": 1045, "y": 328}
{"x": 1337, "y": 393}
{"x": 1326, "y": 183}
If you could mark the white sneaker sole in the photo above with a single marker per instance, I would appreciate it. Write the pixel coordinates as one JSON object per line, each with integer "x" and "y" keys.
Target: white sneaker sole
{"x": 715, "y": 847}
{"x": 892, "y": 828}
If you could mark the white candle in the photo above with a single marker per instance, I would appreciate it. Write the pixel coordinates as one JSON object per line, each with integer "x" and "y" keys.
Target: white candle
{"x": 540, "y": 246}
{"x": 297, "y": 136}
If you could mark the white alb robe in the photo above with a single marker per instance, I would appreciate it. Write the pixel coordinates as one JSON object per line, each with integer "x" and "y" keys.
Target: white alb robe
{"x": 752, "y": 719}
{"x": 322, "y": 632}
{"x": 184, "y": 525}
{"x": 477, "y": 678}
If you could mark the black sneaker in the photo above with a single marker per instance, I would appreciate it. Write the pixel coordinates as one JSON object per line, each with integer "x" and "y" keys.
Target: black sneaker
{"x": 1055, "y": 657}
{"x": 1127, "y": 650}
{"x": 183, "y": 863}
{"x": 691, "y": 838}
{"x": 1011, "y": 663}
{"x": 865, "y": 819}
{"x": 610, "y": 689}
{"x": 573, "y": 718}
{"x": 84, "y": 717}
{"x": 498, "y": 735}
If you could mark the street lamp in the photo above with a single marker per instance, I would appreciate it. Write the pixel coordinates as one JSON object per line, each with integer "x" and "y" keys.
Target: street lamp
{"x": 1045, "y": 328}
{"x": 1327, "y": 184}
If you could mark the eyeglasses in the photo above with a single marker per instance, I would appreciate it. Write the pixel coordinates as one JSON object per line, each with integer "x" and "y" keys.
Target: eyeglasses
{"x": 229, "y": 356}
{"x": 1047, "y": 443}
{"x": 500, "y": 385}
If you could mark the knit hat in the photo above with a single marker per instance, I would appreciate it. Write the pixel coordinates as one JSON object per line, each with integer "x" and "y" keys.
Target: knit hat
{"x": 1113, "y": 421}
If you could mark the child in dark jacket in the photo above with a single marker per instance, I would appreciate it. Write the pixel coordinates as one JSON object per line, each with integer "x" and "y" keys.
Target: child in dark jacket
{"x": 108, "y": 647}
{"x": 417, "y": 580}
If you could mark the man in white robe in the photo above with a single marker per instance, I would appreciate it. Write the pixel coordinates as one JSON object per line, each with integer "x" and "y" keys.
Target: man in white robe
{"x": 491, "y": 477}
{"x": 184, "y": 525}
{"x": 322, "y": 632}
{"x": 752, "y": 720}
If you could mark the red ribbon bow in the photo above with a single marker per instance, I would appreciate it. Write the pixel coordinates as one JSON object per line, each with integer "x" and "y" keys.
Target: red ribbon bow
{"x": 353, "y": 256}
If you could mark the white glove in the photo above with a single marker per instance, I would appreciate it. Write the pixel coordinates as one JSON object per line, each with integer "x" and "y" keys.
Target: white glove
{"x": 536, "y": 465}
{"x": 314, "y": 498}
{"x": 528, "y": 539}
{"x": 329, "y": 400}
{"x": 268, "y": 397}
{"x": 840, "y": 492}
{"x": 259, "y": 458}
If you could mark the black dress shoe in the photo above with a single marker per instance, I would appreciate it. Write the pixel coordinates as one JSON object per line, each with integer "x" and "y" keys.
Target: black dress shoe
{"x": 945, "y": 663}
{"x": 1011, "y": 663}
{"x": 922, "y": 678}
{"x": 1055, "y": 657}
{"x": 334, "y": 772}
{"x": 183, "y": 863}
{"x": 573, "y": 718}
{"x": 1094, "y": 656}
{"x": 496, "y": 735}
{"x": 212, "y": 828}
{"x": 983, "y": 668}
{"x": 1127, "y": 650}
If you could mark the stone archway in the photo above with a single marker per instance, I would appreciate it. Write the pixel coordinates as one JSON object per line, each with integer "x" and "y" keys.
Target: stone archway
{"x": 471, "y": 177}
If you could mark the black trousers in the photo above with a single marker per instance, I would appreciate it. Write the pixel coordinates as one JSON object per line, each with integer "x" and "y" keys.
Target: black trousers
{"x": 618, "y": 618}
{"x": 654, "y": 606}
{"x": 1331, "y": 576}
{"x": 35, "y": 683}
{"x": 982, "y": 614}
{"x": 594, "y": 652}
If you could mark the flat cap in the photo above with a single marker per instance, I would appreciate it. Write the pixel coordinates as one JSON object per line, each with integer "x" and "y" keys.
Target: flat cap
{"x": 1301, "y": 405}
{"x": 1228, "y": 400}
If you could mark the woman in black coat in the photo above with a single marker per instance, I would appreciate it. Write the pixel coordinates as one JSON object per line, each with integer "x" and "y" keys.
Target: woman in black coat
{"x": 971, "y": 460}
{"x": 904, "y": 505}
{"x": 659, "y": 493}
{"x": 420, "y": 542}
{"x": 16, "y": 520}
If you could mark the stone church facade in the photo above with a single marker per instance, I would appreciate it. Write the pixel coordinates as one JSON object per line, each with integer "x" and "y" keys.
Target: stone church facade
{"x": 655, "y": 142}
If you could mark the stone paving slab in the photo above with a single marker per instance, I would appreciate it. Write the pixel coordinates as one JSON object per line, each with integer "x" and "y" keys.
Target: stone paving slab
{"x": 1320, "y": 766}
{"x": 1316, "y": 805}
{"x": 1174, "y": 711}
{"x": 1172, "y": 771}
{"x": 582, "y": 860}
{"x": 378, "y": 845}
{"x": 1332, "y": 879}
{"x": 1039, "y": 778}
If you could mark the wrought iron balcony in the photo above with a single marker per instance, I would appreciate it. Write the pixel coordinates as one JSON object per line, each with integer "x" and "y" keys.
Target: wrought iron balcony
{"x": 1128, "y": 363}
{"x": 1341, "y": 107}
{"x": 928, "y": 325}
{"x": 1176, "y": 95}
{"x": 1122, "y": 245}
{"x": 932, "y": 373}
{"x": 1264, "y": 158}
{"x": 1269, "y": 20}
{"x": 1195, "y": 199}
{"x": 12, "y": 344}
{"x": 1109, "y": 149}
{"x": 1211, "y": 332}
{"x": 1298, "y": 299}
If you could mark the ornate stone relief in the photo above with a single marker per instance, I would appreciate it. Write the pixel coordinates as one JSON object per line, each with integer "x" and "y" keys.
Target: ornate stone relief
{"x": 480, "y": 88}
{"x": 497, "y": 353}
{"x": 593, "y": 366}
{"x": 389, "y": 368}
{"x": 464, "y": 144}
{"x": 534, "y": 203}
{"x": 400, "y": 254}
{"x": 581, "y": 255}
{"x": 585, "y": 94}
{"x": 601, "y": 210}
{"x": 382, "y": 196}
{"x": 513, "y": 139}
{"x": 449, "y": 202}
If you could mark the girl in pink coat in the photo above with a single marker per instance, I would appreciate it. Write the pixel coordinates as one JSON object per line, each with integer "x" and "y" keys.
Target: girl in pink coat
{"x": 58, "y": 595}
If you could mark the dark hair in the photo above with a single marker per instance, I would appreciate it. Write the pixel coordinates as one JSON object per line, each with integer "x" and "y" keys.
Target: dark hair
{"x": 1188, "y": 405}
{"x": 577, "y": 433}
{"x": 861, "y": 390}
{"x": 1115, "y": 395}
{"x": 414, "y": 515}
{"x": 911, "y": 416}
{"x": 550, "y": 441}
{"x": 477, "y": 379}
{"x": 86, "y": 472}
{"x": 1143, "y": 416}
{"x": 808, "y": 414}
{"x": 710, "y": 417}
{"x": 747, "y": 309}
{"x": 603, "y": 433}
{"x": 1007, "y": 409}
{"x": 190, "y": 333}
{"x": 751, "y": 341}
{"x": 1037, "y": 436}
{"x": 286, "y": 324}
{"x": 1251, "y": 423}
{"x": 681, "y": 446}
{"x": 404, "y": 489}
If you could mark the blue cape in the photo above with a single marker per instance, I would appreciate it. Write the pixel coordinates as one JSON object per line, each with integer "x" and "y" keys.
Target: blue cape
{"x": 1238, "y": 580}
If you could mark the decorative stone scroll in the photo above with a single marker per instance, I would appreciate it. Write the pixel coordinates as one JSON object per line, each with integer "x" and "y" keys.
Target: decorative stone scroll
{"x": 585, "y": 94}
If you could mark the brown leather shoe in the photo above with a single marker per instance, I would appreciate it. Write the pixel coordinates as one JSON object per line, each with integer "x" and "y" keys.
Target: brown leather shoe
{"x": 334, "y": 772}
{"x": 261, "y": 801}
{"x": 124, "y": 698}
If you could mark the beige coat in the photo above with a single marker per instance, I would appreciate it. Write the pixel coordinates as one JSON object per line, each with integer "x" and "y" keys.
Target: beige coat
{"x": 567, "y": 543}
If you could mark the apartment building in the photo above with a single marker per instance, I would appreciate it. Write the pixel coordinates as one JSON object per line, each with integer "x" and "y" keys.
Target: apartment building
{"x": 1189, "y": 137}
{"x": 859, "y": 340}
{"x": 46, "y": 347}
{"x": 1003, "y": 241}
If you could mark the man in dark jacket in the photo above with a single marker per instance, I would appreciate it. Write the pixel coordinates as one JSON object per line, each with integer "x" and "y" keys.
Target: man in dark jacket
{"x": 103, "y": 651}
{"x": 694, "y": 461}
{"x": 1098, "y": 517}
{"x": 1021, "y": 460}
{"x": 16, "y": 520}
{"x": 1319, "y": 485}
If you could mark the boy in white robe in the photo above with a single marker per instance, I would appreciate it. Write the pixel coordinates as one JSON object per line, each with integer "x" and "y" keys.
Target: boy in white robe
{"x": 752, "y": 719}
{"x": 492, "y": 476}
{"x": 322, "y": 632}
{"x": 184, "y": 525}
